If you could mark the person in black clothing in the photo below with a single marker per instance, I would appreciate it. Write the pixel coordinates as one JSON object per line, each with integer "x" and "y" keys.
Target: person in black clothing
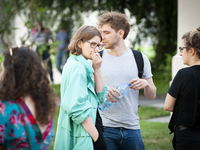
{"x": 183, "y": 97}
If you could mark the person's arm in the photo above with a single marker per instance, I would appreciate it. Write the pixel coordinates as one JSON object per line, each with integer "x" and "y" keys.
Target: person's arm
{"x": 77, "y": 106}
{"x": 98, "y": 79}
{"x": 169, "y": 103}
{"x": 111, "y": 93}
{"x": 175, "y": 90}
{"x": 146, "y": 84}
{"x": 100, "y": 88}
{"x": 150, "y": 89}
{"x": 90, "y": 128}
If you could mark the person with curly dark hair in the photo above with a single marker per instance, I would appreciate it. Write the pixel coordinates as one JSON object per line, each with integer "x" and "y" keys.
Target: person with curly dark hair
{"x": 27, "y": 101}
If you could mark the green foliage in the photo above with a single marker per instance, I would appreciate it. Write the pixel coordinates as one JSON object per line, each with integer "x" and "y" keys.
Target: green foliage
{"x": 1, "y": 60}
{"x": 155, "y": 20}
{"x": 148, "y": 51}
{"x": 166, "y": 69}
{"x": 52, "y": 46}
{"x": 162, "y": 85}
{"x": 162, "y": 76}
{"x": 8, "y": 10}
{"x": 56, "y": 88}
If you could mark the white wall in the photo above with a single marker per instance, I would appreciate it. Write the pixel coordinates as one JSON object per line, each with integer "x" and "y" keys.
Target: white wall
{"x": 188, "y": 20}
{"x": 21, "y": 30}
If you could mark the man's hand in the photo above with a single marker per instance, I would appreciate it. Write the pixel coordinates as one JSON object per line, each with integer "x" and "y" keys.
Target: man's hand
{"x": 137, "y": 83}
{"x": 146, "y": 84}
{"x": 113, "y": 92}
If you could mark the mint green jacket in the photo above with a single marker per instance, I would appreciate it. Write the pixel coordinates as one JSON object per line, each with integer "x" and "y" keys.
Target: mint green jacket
{"x": 78, "y": 101}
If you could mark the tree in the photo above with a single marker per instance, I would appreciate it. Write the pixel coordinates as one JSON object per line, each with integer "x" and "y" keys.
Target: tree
{"x": 154, "y": 18}
{"x": 50, "y": 12}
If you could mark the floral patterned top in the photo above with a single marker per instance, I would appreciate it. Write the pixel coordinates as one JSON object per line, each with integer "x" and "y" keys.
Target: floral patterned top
{"x": 12, "y": 130}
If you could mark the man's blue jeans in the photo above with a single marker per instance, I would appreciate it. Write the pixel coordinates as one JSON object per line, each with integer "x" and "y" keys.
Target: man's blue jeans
{"x": 61, "y": 59}
{"x": 123, "y": 139}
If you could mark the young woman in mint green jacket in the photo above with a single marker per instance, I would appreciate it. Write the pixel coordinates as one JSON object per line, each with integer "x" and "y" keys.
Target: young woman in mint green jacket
{"x": 81, "y": 92}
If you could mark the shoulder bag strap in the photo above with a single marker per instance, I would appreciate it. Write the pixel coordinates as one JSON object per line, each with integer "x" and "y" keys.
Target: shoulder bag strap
{"x": 139, "y": 61}
{"x": 29, "y": 142}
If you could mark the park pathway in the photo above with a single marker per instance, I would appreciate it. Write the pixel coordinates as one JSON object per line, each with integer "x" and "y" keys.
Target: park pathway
{"x": 157, "y": 102}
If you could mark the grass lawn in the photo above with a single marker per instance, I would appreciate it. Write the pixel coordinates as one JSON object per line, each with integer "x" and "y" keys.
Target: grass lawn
{"x": 146, "y": 112}
{"x": 155, "y": 135}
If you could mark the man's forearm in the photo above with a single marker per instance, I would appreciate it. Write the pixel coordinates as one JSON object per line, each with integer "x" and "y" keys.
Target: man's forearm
{"x": 150, "y": 91}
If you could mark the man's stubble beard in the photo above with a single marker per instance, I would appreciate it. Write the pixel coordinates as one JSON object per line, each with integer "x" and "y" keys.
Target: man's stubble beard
{"x": 113, "y": 44}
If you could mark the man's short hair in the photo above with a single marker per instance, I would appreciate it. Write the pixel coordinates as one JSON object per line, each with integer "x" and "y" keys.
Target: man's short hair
{"x": 116, "y": 21}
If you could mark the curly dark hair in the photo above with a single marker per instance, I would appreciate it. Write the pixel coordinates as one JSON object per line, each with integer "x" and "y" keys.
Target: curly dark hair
{"x": 24, "y": 76}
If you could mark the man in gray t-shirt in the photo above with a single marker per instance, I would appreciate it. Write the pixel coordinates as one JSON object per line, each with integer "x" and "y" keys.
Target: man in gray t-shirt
{"x": 121, "y": 120}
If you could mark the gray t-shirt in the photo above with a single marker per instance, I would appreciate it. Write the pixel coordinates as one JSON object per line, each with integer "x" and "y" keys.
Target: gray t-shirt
{"x": 115, "y": 71}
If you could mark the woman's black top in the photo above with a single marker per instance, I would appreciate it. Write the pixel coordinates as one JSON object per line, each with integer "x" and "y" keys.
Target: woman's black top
{"x": 186, "y": 88}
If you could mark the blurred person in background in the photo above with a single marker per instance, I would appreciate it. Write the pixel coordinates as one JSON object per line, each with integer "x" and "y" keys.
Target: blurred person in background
{"x": 41, "y": 37}
{"x": 63, "y": 37}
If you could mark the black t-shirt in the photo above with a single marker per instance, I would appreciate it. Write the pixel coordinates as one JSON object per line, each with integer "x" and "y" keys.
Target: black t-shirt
{"x": 182, "y": 83}
{"x": 186, "y": 88}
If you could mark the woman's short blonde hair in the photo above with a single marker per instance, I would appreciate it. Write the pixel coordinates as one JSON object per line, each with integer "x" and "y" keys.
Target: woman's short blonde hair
{"x": 83, "y": 33}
